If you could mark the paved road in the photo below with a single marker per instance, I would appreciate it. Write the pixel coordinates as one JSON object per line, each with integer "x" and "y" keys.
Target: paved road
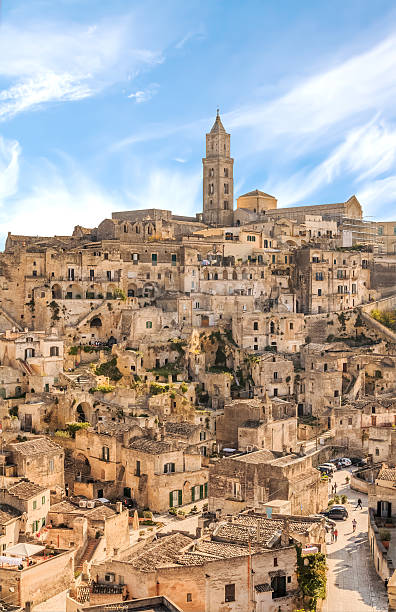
{"x": 353, "y": 585}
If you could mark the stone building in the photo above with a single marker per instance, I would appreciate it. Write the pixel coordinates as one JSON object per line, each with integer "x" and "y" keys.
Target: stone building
{"x": 124, "y": 461}
{"x": 209, "y": 574}
{"x": 30, "y": 499}
{"x": 38, "y": 459}
{"x": 246, "y": 480}
{"x": 218, "y": 180}
{"x": 254, "y": 424}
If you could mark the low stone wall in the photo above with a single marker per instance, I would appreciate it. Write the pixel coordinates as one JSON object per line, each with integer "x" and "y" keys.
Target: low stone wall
{"x": 357, "y": 484}
{"x": 379, "y": 554}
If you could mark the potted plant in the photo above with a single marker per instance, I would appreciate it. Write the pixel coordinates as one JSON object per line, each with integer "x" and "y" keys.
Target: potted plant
{"x": 385, "y": 537}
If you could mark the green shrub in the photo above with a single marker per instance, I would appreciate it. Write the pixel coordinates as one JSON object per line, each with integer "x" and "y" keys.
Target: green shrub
{"x": 110, "y": 370}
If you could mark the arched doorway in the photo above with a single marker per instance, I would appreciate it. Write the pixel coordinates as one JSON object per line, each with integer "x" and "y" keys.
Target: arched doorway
{"x": 95, "y": 322}
{"x": 83, "y": 411}
{"x": 56, "y": 292}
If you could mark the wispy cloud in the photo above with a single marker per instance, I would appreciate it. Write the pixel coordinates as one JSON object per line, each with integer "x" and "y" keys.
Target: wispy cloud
{"x": 360, "y": 84}
{"x": 9, "y": 168}
{"x": 144, "y": 95}
{"x": 52, "y": 62}
{"x": 367, "y": 152}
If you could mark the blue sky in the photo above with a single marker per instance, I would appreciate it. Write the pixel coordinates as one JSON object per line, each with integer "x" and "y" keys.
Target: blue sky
{"x": 104, "y": 105}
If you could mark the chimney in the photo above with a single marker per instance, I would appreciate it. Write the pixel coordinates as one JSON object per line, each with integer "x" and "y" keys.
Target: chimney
{"x": 118, "y": 507}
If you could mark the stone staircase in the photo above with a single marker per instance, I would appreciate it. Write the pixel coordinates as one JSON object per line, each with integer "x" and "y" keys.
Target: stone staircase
{"x": 88, "y": 553}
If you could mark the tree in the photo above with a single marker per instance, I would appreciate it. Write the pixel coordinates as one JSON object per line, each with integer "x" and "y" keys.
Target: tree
{"x": 311, "y": 575}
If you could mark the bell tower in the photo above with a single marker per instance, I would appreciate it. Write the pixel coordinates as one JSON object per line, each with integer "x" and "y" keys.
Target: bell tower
{"x": 218, "y": 180}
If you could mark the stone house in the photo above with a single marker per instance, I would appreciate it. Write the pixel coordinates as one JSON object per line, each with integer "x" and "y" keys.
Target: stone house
{"x": 155, "y": 473}
{"x": 272, "y": 375}
{"x": 49, "y": 573}
{"x": 77, "y": 526}
{"x": 30, "y": 499}
{"x": 381, "y": 511}
{"x": 255, "y": 424}
{"x": 208, "y": 574}
{"x": 10, "y": 524}
{"x": 38, "y": 459}
{"x": 258, "y": 330}
{"x": 36, "y": 355}
{"x": 245, "y": 481}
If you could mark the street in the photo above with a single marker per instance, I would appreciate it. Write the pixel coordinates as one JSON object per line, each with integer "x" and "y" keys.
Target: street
{"x": 353, "y": 585}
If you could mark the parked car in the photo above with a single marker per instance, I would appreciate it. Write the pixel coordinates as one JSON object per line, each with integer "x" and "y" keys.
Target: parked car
{"x": 358, "y": 461}
{"x": 330, "y": 465}
{"x": 345, "y": 462}
{"x": 337, "y": 513}
{"x": 324, "y": 469}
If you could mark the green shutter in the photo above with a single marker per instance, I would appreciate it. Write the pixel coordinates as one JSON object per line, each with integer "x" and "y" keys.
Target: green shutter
{"x": 170, "y": 500}
{"x": 192, "y": 494}
{"x": 180, "y": 497}
{"x": 206, "y": 489}
{"x": 201, "y": 490}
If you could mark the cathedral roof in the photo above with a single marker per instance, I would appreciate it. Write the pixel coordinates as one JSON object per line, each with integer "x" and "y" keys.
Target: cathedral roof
{"x": 217, "y": 126}
{"x": 257, "y": 192}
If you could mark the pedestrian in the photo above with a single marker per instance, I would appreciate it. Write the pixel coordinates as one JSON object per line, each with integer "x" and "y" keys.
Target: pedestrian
{"x": 359, "y": 504}
{"x": 335, "y": 488}
{"x": 332, "y": 534}
{"x": 335, "y": 535}
{"x": 354, "y": 523}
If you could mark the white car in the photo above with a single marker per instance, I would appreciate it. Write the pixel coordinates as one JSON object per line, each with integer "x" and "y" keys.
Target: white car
{"x": 345, "y": 462}
{"x": 331, "y": 466}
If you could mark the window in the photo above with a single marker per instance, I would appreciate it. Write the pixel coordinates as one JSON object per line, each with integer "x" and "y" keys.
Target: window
{"x": 109, "y": 577}
{"x": 34, "y": 505}
{"x": 275, "y": 561}
{"x": 125, "y": 229}
{"x": 174, "y": 259}
{"x": 273, "y": 259}
{"x": 169, "y": 468}
{"x": 34, "y": 272}
{"x": 175, "y": 498}
{"x": 380, "y": 230}
{"x": 377, "y": 452}
{"x": 350, "y": 420}
{"x": 229, "y": 592}
{"x": 291, "y": 326}
{"x": 105, "y": 453}
{"x": 105, "y": 255}
{"x": 137, "y": 471}
{"x": 189, "y": 596}
{"x": 319, "y": 292}
{"x": 336, "y": 393}
{"x": 202, "y": 435}
{"x": 226, "y": 188}
{"x": 211, "y": 172}
{"x": 51, "y": 465}
{"x": 275, "y": 375}
{"x": 226, "y": 172}
{"x": 70, "y": 274}
{"x": 319, "y": 276}
{"x": 108, "y": 275}
{"x": 278, "y": 585}
{"x": 325, "y": 367}
{"x": 43, "y": 500}
{"x": 149, "y": 324}
{"x": 275, "y": 392}
{"x": 315, "y": 259}
{"x": 225, "y": 205}
{"x": 255, "y": 325}
{"x": 54, "y": 351}
{"x": 135, "y": 258}
{"x": 154, "y": 259}
{"x": 197, "y": 305}
{"x": 91, "y": 275}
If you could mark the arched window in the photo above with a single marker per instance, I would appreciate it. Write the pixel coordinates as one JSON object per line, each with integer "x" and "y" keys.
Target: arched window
{"x": 149, "y": 324}
{"x": 54, "y": 351}
{"x": 125, "y": 229}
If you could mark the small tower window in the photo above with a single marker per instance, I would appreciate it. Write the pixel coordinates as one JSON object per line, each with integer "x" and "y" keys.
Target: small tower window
{"x": 225, "y": 205}
{"x": 226, "y": 188}
{"x": 226, "y": 172}
{"x": 211, "y": 172}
